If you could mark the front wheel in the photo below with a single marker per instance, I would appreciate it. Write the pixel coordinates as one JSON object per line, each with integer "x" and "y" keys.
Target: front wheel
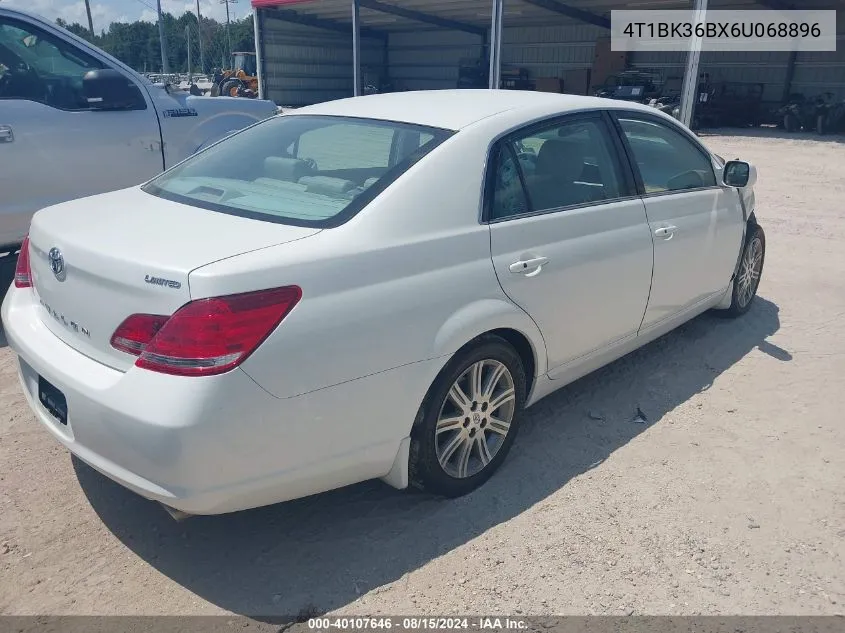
{"x": 231, "y": 88}
{"x": 750, "y": 270}
{"x": 469, "y": 419}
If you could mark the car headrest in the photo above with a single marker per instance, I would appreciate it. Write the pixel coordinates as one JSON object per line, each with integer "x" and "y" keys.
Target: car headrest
{"x": 561, "y": 158}
{"x": 327, "y": 185}
{"x": 290, "y": 169}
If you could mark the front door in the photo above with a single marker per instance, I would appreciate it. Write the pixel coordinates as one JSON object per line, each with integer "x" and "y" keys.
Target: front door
{"x": 570, "y": 242}
{"x": 697, "y": 225}
{"x": 52, "y": 146}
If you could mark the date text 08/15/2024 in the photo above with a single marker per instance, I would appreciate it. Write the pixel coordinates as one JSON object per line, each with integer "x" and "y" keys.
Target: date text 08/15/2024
{"x": 493, "y": 623}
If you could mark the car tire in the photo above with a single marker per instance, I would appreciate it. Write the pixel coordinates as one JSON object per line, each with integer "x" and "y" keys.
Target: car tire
{"x": 753, "y": 258}
{"x": 478, "y": 443}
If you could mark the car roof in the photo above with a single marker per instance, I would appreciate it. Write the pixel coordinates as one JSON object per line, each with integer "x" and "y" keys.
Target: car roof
{"x": 459, "y": 108}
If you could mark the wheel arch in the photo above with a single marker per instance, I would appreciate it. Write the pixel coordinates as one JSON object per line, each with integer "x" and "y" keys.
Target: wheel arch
{"x": 752, "y": 219}
{"x": 464, "y": 329}
{"x": 491, "y": 317}
{"x": 498, "y": 317}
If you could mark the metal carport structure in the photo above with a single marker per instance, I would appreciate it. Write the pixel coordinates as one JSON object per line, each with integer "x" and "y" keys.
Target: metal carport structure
{"x": 325, "y": 48}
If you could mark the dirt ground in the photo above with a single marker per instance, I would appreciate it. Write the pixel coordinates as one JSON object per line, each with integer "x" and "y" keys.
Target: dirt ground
{"x": 730, "y": 499}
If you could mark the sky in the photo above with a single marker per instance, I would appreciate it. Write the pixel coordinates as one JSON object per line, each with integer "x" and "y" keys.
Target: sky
{"x": 104, "y": 12}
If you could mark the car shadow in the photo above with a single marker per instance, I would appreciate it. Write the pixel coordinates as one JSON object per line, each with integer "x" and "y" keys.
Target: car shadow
{"x": 320, "y": 553}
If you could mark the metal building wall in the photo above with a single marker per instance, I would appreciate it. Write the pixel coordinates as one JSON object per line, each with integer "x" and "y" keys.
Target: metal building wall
{"x": 816, "y": 73}
{"x": 305, "y": 65}
{"x": 548, "y": 51}
{"x": 428, "y": 59}
{"x": 767, "y": 68}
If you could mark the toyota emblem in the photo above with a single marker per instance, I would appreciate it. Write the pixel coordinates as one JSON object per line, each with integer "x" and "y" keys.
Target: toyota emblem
{"x": 57, "y": 263}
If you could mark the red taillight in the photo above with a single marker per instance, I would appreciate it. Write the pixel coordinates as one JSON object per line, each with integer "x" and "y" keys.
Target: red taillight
{"x": 133, "y": 335}
{"x": 207, "y": 336}
{"x": 23, "y": 274}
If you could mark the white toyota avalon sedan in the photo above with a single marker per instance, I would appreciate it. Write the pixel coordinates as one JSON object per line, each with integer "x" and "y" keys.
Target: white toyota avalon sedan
{"x": 368, "y": 288}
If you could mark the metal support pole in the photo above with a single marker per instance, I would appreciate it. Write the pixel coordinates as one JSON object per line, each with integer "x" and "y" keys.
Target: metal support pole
{"x": 228, "y": 30}
{"x": 356, "y": 48}
{"x": 496, "y": 44}
{"x": 689, "y": 92}
{"x": 90, "y": 21}
{"x": 190, "y": 67}
{"x": 199, "y": 37}
{"x": 259, "y": 52}
{"x": 165, "y": 67}
{"x": 790, "y": 75}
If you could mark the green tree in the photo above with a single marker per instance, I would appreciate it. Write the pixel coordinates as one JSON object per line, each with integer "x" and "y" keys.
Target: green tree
{"x": 137, "y": 43}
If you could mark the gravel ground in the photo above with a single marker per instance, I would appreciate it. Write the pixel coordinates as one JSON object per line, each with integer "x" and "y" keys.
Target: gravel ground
{"x": 729, "y": 499}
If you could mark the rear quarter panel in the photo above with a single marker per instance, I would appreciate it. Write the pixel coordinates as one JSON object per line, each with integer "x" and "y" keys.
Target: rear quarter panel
{"x": 408, "y": 279}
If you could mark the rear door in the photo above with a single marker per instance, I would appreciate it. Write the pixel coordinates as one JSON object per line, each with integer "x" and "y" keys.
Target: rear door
{"x": 569, "y": 237}
{"x": 52, "y": 147}
{"x": 697, "y": 224}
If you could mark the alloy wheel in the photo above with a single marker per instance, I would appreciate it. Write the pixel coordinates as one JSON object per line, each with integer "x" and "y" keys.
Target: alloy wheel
{"x": 749, "y": 273}
{"x": 475, "y": 418}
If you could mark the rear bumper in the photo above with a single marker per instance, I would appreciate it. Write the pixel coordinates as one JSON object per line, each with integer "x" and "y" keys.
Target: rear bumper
{"x": 218, "y": 443}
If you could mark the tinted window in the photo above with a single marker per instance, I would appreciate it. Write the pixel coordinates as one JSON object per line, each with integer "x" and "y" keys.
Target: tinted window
{"x": 38, "y": 67}
{"x": 508, "y": 195}
{"x": 298, "y": 169}
{"x": 563, "y": 165}
{"x": 667, "y": 159}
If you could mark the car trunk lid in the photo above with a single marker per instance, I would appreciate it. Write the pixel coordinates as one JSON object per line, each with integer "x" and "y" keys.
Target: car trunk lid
{"x": 96, "y": 261}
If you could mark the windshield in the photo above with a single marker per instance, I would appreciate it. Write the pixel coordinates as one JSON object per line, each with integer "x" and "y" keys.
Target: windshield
{"x": 298, "y": 169}
{"x": 245, "y": 62}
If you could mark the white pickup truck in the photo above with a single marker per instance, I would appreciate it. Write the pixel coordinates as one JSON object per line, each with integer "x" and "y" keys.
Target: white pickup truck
{"x": 75, "y": 121}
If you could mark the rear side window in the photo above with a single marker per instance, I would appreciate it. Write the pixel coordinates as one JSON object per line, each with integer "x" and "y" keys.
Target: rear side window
{"x": 564, "y": 165}
{"x": 667, "y": 160}
{"x": 298, "y": 169}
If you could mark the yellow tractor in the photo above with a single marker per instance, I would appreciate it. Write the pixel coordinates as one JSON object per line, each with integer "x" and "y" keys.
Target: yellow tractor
{"x": 240, "y": 81}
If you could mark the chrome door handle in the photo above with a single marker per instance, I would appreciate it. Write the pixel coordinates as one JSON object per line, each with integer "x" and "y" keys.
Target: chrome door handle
{"x": 6, "y": 134}
{"x": 666, "y": 232}
{"x": 528, "y": 267}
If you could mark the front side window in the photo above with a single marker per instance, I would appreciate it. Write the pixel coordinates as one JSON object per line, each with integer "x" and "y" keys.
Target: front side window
{"x": 564, "y": 165}
{"x": 667, "y": 160}
{"x": 299, "y": 169}
{"x": 35, "y": 66}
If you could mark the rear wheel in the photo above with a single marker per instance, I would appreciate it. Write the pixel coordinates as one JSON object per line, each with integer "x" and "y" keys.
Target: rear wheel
{"x": 469, "y": 419}
{"x": 750, "y": 270}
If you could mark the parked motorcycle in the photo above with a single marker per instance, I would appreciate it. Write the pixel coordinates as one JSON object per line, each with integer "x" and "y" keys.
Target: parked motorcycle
{"x": 830, "y": 115}
{"x": 822, "y": 114}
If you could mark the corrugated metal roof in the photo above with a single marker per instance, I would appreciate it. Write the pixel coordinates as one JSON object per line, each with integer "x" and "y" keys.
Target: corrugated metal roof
{"x": 477, "y": 13}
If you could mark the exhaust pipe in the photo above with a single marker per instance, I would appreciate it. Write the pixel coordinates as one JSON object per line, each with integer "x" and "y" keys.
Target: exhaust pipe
{"x": 177, "y": 515}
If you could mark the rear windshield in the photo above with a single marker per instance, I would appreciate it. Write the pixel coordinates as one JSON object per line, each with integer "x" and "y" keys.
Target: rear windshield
{"x": 299, "y": 169}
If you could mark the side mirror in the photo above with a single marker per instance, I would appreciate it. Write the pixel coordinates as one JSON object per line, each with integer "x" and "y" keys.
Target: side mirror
{"x": 108, "y": 89}
{"x": 738, "y": 173}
